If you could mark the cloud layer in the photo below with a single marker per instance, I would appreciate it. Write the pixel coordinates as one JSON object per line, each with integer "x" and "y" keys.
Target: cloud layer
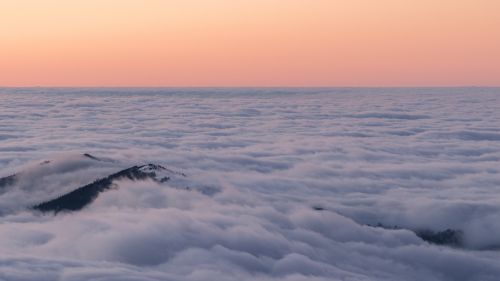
{"x": 258, "y": 163}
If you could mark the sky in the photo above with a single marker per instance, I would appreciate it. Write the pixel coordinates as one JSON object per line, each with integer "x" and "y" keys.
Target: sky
{"x": 249, "y": 43}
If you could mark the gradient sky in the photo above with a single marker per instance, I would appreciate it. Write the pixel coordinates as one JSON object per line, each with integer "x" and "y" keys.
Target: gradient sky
{"x": 249, "y": 42}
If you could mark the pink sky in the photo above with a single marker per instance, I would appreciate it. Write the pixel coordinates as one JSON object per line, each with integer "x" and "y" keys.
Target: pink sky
{"x": 249, "y": 43}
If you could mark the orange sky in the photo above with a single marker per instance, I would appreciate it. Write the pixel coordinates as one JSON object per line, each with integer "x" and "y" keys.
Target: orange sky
{"x": 249, "y": 42}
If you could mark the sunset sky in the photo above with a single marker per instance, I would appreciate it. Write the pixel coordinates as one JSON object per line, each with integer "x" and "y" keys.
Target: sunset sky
{"x": 249, "y": 43}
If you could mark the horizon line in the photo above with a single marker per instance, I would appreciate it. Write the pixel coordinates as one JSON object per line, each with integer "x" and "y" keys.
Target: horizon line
{"x": 249, "y": 87}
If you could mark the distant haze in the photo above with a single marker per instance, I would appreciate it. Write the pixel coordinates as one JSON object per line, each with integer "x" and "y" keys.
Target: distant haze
{"x": 249, "y": 43}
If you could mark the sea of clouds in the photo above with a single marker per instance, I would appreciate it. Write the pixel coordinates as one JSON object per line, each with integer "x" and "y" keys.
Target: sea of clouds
{"x": 283, "y": 184}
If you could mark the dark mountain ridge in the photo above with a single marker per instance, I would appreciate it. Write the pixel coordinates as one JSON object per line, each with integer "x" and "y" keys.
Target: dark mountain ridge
{"x": 83, "y": 196}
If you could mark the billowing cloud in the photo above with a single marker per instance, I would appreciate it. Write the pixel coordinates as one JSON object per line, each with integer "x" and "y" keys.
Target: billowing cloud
{"x": 280, "y": 185}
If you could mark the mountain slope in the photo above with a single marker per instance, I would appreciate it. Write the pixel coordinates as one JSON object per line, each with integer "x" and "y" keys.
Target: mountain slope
{"x": 81, "y": 197}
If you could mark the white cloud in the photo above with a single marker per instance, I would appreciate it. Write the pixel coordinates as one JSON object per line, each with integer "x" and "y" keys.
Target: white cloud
{"x": 257, "y": 161}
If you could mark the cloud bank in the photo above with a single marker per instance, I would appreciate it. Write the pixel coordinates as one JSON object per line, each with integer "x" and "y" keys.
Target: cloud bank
{"x": 282, "y": 184}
